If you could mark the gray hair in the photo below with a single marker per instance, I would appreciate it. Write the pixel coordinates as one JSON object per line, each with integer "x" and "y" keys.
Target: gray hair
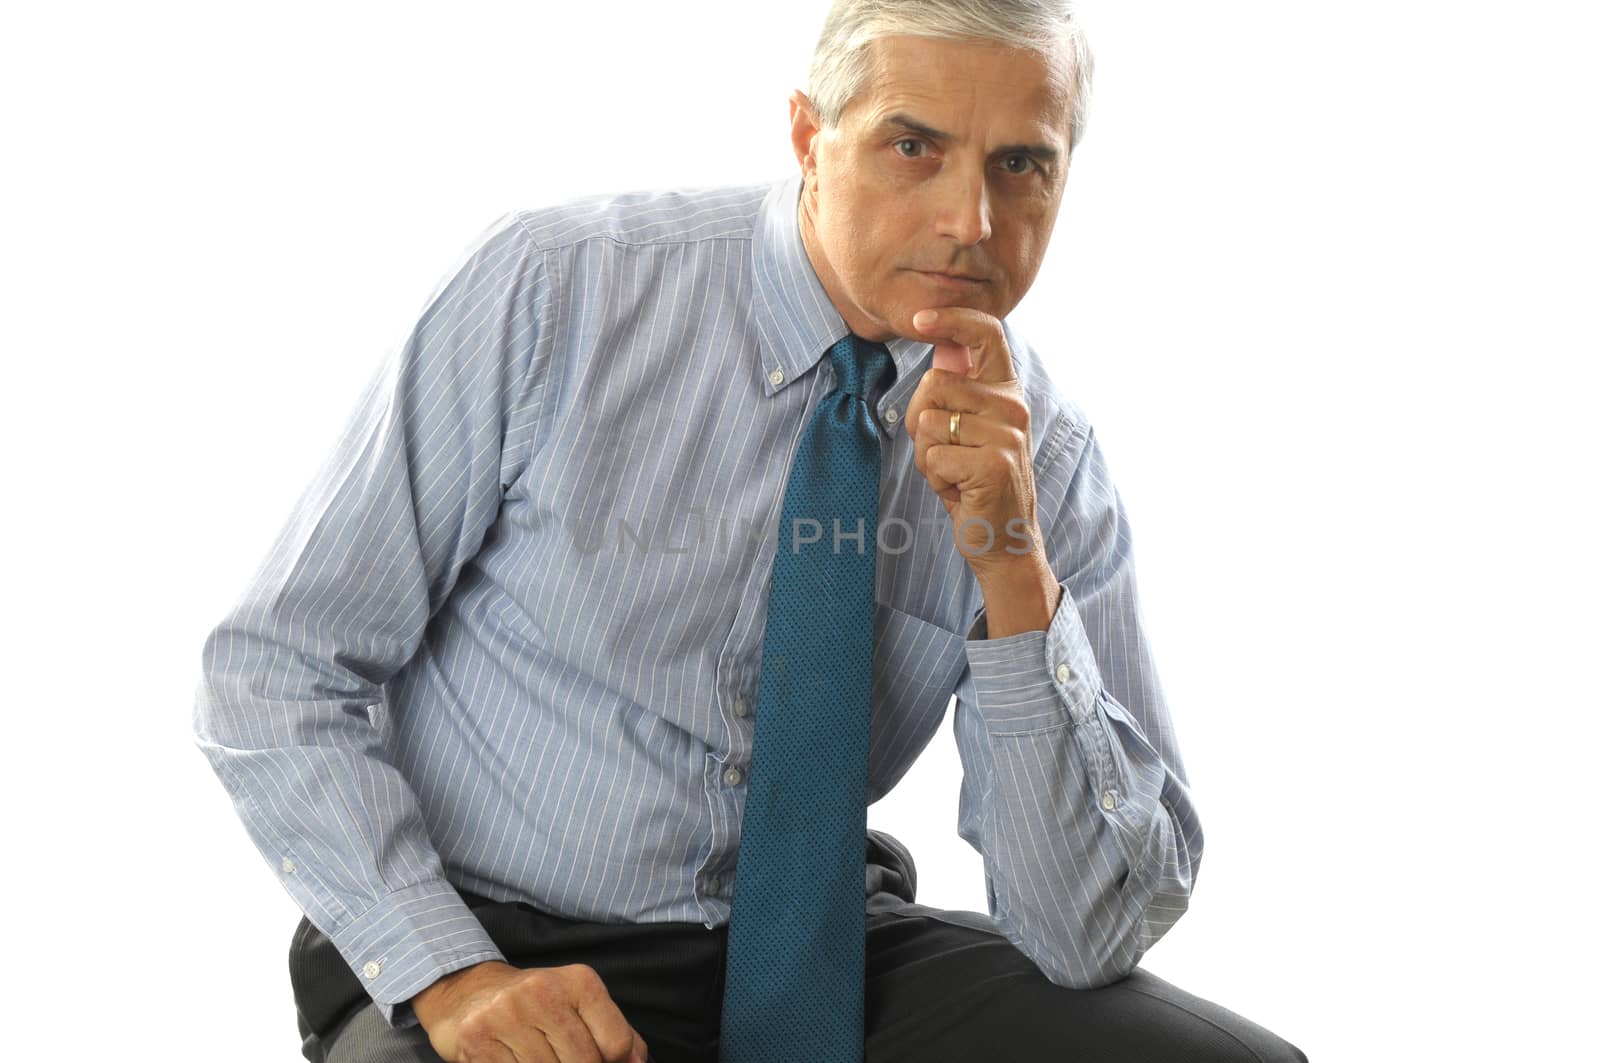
{"x": 839, "y": 64}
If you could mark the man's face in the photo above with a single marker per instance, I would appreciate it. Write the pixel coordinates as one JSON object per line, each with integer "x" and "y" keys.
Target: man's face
{"x": 942, "y": 163}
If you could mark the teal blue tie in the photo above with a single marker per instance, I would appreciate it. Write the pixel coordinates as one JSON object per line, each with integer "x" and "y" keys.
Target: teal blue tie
{"x": 797, "y": 931}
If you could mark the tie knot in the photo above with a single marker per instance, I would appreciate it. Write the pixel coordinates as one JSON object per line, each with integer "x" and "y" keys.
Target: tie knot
{"x": 861, "y": 367}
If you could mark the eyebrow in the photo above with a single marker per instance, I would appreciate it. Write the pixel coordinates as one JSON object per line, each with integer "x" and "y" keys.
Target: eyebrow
{"x": 1043, "y": 151}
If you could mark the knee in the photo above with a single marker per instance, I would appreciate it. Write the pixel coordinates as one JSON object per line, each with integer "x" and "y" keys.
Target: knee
{"x": 1280, "y": 1051}
{"x": 1144, "y": 1018}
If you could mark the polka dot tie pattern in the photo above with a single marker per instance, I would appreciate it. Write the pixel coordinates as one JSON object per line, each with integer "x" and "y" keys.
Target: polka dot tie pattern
{"x": 797, "y": 931}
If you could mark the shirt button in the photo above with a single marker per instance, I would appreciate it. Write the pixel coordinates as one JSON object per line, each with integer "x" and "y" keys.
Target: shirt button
{"x": 1063, "y": 673}
{"x": 288, "y": 865}
{"x": 372, "y": 968}
{"x": 1108, "y": 800}
{"x": 740, "y": 707}
{"x": 776, "y": 376}
{"x": 713, "y": 884}
{"x": 892, "y": 415}
{"x": 732, "y": 776}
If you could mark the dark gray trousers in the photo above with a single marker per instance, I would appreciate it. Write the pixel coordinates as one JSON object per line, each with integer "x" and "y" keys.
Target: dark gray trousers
{"x": 940, "y": 985}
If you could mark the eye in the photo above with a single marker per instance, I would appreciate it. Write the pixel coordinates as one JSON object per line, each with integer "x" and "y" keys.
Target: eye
{"x": 908, "y": 140}
{"x": 1015, "y": 156}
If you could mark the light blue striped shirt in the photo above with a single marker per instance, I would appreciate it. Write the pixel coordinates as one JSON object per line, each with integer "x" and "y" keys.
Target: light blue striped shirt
{"x": 509, "y": 638}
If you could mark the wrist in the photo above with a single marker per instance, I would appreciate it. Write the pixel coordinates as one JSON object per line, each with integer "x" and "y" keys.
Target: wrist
{"x": 1021, "y": 597}
{"x": 434, "y": 1000}
{"x": 426, "y": 1003}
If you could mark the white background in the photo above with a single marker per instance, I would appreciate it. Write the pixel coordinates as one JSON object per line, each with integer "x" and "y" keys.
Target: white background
{"x": 1324, "y": 280}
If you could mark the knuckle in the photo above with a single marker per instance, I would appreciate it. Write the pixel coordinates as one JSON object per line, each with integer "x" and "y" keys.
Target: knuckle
{"x": 614, "y": 1044}
{"x": 587, "y": 1050}
{"x": 1016, "y": 411}
{"x": 585, "y": 978}
{"x": 474, "y": 1036}
{"x": 542, "y": 988}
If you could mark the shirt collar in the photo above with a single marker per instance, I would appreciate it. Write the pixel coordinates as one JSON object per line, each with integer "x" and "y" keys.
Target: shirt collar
{"x": 795, "y": 320}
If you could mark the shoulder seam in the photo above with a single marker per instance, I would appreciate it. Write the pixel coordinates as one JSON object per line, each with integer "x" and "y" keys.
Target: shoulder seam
{"x": 522, "y": 223}
{"x": 666, "y": 241}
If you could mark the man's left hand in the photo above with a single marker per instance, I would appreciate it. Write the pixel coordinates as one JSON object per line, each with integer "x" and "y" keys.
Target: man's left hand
{"x": 986, "y": 479}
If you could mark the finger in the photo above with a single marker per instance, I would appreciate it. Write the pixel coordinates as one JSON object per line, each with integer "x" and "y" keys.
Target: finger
{"x": 939, "y": 389}
{"x": 567, "y": 1036}
{"x": 933, "y": 427}
{"x": 937, "y": 484}
{"x": 981, "y": 334}
{"x": 513, "y": 1040}
{"x": 953, "y": 464}
{"x": 933, "y": 430}
{"x": 971, "y": 464}
{"x": 545, "y": 1026}
{"x": 603, "y": 1022}
{"x": 535, "y": 1046}
{"x": 949, "y": 469}
{"x": 972, "y": 471}
{"x": 498, "y": 1051}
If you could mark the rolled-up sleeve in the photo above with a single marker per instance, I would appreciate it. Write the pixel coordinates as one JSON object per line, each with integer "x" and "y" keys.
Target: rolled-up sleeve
{"x": 1073, "y": 787}
{"x": 371, "y": 550}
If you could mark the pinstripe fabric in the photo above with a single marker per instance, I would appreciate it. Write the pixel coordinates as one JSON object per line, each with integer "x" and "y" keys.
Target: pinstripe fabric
{"x": 509, "y": 637}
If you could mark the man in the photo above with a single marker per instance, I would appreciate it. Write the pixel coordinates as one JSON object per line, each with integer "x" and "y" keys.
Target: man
{"x": 495, "y": 706}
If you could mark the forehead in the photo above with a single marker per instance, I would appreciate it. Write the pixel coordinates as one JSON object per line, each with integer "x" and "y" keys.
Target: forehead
{"x": 955, "y": 83}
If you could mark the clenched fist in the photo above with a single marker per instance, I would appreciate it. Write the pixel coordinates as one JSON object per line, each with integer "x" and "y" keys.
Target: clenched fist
{"x": 983, "y": 475}
{"x": 493, "y": 1012}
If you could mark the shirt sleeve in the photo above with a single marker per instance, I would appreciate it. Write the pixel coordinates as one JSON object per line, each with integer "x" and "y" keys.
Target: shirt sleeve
{"x": 371, "y": 550}
{"x": 1073, "y": 788}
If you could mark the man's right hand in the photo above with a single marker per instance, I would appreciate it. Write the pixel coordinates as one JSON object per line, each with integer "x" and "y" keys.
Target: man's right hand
{"x": 493, "y": 1012}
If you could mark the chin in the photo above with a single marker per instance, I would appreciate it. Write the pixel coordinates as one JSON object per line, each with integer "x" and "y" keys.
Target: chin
{"x": 926, "y": 300}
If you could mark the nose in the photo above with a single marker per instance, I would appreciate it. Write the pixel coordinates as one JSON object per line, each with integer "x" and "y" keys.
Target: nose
{"x": 964, "y": 207}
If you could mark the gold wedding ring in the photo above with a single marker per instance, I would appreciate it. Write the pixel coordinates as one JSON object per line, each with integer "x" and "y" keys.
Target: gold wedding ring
{"x": 955, "y": 427}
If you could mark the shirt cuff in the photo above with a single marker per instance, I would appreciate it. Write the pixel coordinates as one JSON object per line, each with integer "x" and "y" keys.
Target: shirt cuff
{"x": 409, "y": 940}
{"x": 1033, "y": 680}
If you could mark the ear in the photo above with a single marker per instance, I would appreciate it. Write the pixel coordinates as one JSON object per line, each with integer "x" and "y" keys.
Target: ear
{"x": 803, "y": 129}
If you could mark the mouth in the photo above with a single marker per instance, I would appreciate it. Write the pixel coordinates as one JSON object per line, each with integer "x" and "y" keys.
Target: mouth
{"x": 954, "y": 281}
